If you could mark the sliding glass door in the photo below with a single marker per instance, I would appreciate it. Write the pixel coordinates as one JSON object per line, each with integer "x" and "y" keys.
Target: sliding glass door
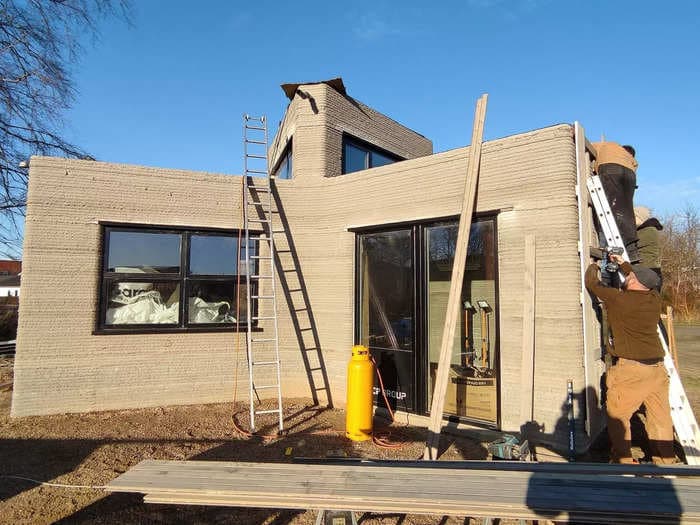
{"x": 403, "y": 282}
{"x": 386, "y": 312}
{"x": 472, "y": 388}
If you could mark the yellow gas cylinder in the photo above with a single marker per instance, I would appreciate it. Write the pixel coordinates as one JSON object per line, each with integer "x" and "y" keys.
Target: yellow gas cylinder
{"x": 358, "y": 412}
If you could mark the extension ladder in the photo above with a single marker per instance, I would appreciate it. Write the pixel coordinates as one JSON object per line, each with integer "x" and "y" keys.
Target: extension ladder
{"x": 683, "y": 418}
{"x": 262, "y": 350}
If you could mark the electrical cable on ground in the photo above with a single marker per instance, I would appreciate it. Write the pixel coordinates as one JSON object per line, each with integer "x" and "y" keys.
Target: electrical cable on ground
{"x": 60, "y": 485}
{"x": 381, "y": 439}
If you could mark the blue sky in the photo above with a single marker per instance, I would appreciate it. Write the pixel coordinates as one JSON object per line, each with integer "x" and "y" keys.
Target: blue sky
{"x": 170, "y": 89}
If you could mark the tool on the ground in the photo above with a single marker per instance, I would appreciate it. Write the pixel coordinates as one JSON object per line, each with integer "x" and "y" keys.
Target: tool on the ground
{"x": 336, "y": 517}
{"x": 684, "y": 420}
{"x": 261, "y": 301}
{"x": 509, "y": 447}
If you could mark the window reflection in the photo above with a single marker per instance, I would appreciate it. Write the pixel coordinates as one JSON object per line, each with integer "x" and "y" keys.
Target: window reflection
{"x": 360, "y": 155}
{"x": 150, "y": 279}
{"x": 143, "y": 252}
{"x": 284, "y": 169}
{"x": 213, "y": 255}
{"x": 387, "y": 284}
{"x": 215, "y": 302}
{"x": 472, "y": 383}
{"x": 379, "y": 159}
{"x": 355, "y": 159}
{"x": 386, "y": 311}
{"x": 406, "y": 349}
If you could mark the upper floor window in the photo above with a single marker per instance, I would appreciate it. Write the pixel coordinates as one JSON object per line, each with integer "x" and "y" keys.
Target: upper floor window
{"x": 360, "y": 155}
{"x": 283, "y": 170}
{"x": 173, "y": 278}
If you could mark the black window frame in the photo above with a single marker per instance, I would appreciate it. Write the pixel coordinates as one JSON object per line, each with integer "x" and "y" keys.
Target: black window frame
{"x": 183, "y": 278}
{"x": 420, "y": 292}
{"x": 287, "y": 160}
{"x": 369, "y": 149}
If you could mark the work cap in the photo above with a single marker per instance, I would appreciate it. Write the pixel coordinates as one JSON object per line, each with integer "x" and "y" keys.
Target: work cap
{"x": 646, "y": 276}
{"x": 641, "y": 214}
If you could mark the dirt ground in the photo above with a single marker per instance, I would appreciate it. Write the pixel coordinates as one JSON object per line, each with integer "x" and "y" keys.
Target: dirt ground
{"x": 92, "y": 449}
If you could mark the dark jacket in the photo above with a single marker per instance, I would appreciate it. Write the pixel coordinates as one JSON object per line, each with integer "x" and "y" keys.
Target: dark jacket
{"x": 633, "y": 316}
{"x": 649, "y": 243}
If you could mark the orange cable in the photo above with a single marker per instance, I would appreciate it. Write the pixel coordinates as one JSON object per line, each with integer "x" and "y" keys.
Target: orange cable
{"x": 381, "y": 439}
{"x": 238, "y": 308}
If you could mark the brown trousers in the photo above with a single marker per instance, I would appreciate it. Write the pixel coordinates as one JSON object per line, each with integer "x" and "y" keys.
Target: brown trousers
{"x": 631, "y": 384}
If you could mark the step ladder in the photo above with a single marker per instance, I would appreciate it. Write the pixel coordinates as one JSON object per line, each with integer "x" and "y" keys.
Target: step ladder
{"x": 262, "y": 345}
{"x": 683, "y": 418}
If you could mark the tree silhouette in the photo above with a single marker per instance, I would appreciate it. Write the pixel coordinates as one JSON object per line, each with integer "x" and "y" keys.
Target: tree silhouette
{"x": 40, "y": 41}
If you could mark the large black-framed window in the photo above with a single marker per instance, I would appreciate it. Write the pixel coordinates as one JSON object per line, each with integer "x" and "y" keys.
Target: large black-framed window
{"x": 402, "y": 282}
{"x": 473, "y": 378}
{"x": 173, "y": 279}
{"x": 361, "y": 155}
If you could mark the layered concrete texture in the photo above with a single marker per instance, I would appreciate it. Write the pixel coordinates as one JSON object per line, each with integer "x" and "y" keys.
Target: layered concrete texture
{"x": 527, "y": 181}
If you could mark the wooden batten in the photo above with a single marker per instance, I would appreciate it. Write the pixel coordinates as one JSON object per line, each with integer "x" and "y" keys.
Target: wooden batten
{"x": 592, "y": 351}
{"x": 578, "y": 493}
{"x": 460, "y": 261}
{"x": 527, "y": 369}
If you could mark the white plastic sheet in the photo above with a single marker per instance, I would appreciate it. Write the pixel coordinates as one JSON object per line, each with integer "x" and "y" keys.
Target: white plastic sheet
{"x": 143, "y": 306}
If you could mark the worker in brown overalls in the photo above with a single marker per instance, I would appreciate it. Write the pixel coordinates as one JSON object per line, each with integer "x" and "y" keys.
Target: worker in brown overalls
{"x": 638, "y": 375}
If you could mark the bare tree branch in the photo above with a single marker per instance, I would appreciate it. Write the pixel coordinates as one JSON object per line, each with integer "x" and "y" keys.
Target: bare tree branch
{"x": 680, "y": 262}
{"x": 40, "y": 42}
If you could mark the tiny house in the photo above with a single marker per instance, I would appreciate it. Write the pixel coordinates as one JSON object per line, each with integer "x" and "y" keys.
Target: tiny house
{"x": 132, "y": 293}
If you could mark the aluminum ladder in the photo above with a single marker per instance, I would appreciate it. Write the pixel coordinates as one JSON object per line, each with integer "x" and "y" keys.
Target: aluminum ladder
{"x": 261, "y": 300}
{"x": 681, "y": 412}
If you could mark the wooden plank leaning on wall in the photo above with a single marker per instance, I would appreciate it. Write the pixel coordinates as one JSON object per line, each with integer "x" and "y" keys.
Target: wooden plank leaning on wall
{"x": 527, "y": 369}
{"x": 454, "y": 299}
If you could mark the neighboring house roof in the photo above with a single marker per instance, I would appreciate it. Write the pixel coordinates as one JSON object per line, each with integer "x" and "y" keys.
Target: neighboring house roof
{"x": 9, "y": 280}
{"x": 10, "y": 267}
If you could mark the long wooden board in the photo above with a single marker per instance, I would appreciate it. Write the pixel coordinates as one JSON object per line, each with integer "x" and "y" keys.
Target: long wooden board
{"x": 437, "y": 509}
{"x": 470, "y": 491}
{"x": 454, "y": 298}
{"x": 527, "y": 368}
{"x": 593, "y": 366}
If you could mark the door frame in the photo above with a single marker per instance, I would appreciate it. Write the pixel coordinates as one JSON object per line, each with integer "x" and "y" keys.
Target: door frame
{"x": 420, "y": 314}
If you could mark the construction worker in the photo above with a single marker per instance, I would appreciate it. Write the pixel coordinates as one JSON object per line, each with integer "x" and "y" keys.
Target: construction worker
{"x": 617, "y": 168}
{"x": 649, "y": 243}
{"x": 638, "y": 375}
